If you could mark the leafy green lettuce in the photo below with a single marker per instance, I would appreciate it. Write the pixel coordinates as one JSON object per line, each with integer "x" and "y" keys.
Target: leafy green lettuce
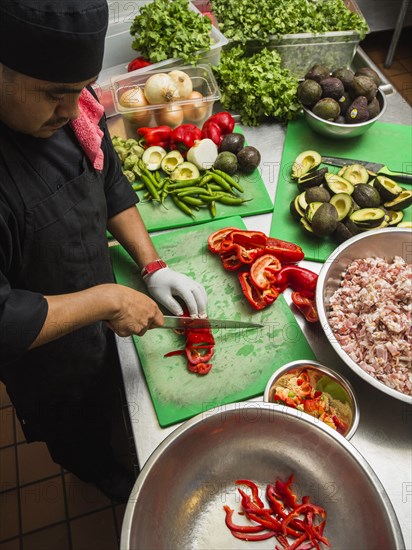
{"x": 256, "y": 87}
{"x": 166, "y": 29}
{"x": 251, "y": 19}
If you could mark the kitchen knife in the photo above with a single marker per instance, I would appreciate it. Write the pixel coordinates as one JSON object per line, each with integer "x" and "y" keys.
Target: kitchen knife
{"x": 189, "y": 323}
{"x": 380, "y": 169}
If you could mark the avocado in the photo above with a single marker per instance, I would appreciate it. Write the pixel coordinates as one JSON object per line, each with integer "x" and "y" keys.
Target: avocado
{"x": 368, "y": 218}
{"x": 388, "y": 189}
{"x": 332, "y": 87}
{"x": 248, "y": 159}
{"x": 337, "y": 184}
{"x": 394, "y": 217}
{"x": 312, "y": 179}
{"x": 355, "y": 173}
{"x": 226, "y": 162}
{"x": 345, "y": 76}
{"x": 343, "y": 204}
{"x": 363, "y": 86}
{"x": 232, "y": 143}
{"x": 366, "y": 196}
{"x": 344, "y": 102}
{"x": 327, "y": 108}
{"x": 325, "y": 219}
{"x": 317, "y": 72}
{"x": 311, "y": 209}
{"x": 317, "y": 194}
{"x": 402, "y": 201}
{"x": 374, "y": 108}
{"x": 309, "y": 92}
{"x": 305, "y": 162}
{"x": 358, "y": 111}
{"x": 367, "y": 71}
{"x": 295, "y": 209}
{"x": 306, "y": 225}
{"x": 342, "y": 233}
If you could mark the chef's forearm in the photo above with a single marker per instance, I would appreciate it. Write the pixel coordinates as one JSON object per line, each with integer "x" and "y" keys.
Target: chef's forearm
{"x": 128, "y": 228}
{"x": 69, "y": 312}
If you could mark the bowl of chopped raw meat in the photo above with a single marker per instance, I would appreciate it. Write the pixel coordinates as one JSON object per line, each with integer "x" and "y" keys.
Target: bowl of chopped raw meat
{"x": 364, "y": 301}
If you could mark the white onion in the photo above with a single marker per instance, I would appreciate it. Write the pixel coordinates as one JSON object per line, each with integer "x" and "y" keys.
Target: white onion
{"x": 198, "y": 109}
{"x": 183, "y": 83}
{"x": 134, "y": 98}
{"x": 171, "y": 115}
{"x": 160, "y": 88}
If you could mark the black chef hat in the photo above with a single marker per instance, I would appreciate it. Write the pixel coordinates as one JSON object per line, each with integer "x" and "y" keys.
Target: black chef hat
{"x": 54, "y": 40}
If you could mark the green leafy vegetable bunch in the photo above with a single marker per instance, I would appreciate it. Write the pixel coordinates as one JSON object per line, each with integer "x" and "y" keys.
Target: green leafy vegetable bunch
{"x": 256, "y": 87}
{"x": 166, "y": 29}
{"x": 249, "y": 19}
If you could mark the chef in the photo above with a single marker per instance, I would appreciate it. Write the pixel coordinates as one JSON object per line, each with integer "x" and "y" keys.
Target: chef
{"x": 61, "y": 188}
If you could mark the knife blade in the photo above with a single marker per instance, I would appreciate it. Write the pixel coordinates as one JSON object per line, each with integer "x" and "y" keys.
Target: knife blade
{"x": 188, "y": 323}
{"x": 376, "y": 167}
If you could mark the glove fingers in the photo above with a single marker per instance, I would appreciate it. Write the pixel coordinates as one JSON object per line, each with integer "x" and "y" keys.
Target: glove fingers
{"x": 200, "y": 297}
{"x": 171, "y": 305}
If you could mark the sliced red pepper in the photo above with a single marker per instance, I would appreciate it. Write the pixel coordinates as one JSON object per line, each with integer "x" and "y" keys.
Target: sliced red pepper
{"x": 247, "y": 239}
{"x": 184, "y": 136}
{"x": 306, "y": 306}
{"x": 258, "y": 299}
{"x": 177, "y": 352}
{"x": 210, "y": 130}
{"x": 264, "y": 269}
{"x": 215, "y": 240}
{"x": 240, "y": 528}
{"x": 138, "y": 63}
{"x": 247, "y": 536}
{"x": 203, "y": 368}
{"x": 196, "y": 358}
{"x": 297, "y": 278}
{"x": 286, "y": 252}
{"x": 156, "y": 135}
{"x": 254, "y": 488}
{"x": 224, "y": 120}
{"x": 230, "y": 260}
{"x": 282, "y": 488}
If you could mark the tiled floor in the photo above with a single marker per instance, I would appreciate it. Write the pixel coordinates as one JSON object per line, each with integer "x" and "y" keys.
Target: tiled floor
{"x": 376, "y": 45}
{"x": 44, "y": 508}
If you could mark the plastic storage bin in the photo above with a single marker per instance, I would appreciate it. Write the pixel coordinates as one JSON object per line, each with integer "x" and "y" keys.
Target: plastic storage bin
{"x": 202, "y": 79}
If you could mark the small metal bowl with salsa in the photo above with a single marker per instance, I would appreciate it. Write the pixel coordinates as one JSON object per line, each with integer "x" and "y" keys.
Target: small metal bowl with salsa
{"x": 316, "y": 390}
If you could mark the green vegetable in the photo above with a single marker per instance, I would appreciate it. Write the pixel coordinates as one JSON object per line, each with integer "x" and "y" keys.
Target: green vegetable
{"x": 256, "y": 87}
{"x": 248, "y": 19}
{"x": 166, "y": 29}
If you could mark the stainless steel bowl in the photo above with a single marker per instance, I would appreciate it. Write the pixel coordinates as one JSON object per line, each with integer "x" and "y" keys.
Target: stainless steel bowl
{"x": 385, "y": 243}
{"x": 324, "y": 379}
{"x": 177, "y": 502}
{"x": 343, "y": 131}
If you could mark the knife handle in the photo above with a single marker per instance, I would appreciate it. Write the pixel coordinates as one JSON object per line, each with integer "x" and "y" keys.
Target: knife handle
{"x": 397, "y": 176}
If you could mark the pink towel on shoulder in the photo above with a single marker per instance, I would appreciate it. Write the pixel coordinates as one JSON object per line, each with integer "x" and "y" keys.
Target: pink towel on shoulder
{"x": 86, "y": 128}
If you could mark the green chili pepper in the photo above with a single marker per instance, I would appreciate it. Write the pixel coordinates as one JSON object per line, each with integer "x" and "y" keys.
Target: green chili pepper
{"x": 193, "y": 201}
{"x": 138, "y": 186}
{"x": 190, "y": 191}
{"x": 222, "y": 182}
{"x": 210, "y": 198}
{"x": 231, "y": 181}
{"x": 212, "y": 207}
{"x": 184, "y": 183}
{"x": 150, "y": 187}
{"x": 232, "y": 201}
{"x": 206, "y": 178}
{"x": 182, "y": 206}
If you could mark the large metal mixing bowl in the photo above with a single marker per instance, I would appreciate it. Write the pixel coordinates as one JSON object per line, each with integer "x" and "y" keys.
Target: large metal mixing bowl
{"x": 378, "y": 243}
{"x": 177, "y": 502}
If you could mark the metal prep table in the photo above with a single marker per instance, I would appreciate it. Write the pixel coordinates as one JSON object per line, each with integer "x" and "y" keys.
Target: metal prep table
{"x": 385, "y": 429}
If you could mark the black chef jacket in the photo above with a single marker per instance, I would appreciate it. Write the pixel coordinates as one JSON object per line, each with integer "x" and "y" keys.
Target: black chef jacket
{"x": 54, "y": 208}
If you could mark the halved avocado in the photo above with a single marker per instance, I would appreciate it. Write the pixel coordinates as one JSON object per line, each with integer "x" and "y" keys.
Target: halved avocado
{"x": 342, "y": 233}
{"x": 295, "y": 209}
{"x": 402, "y": 201}
{"x": 356, "y": 173}
{"x": 343, "y": 204}
{"x": 395, "y": 217}
{"x": 337, "y": 184}
{"x": 305, "y": 162}
{"x": 368, "y": 218}
{"x": 380, "y": 226}
{"x": 388, "y": 189}
{"x": 306, "y": 226}
{"x": 171, "y": 160}
{"x": 325, "y": 219}
{"x": 302, "y": 201}
{"x": 185, "y": 171}
{"x": 407, "y": 225}
{"x": 342, "y": 170}
{"x": 366, "y": 196}
{"x": 311, "y": 209}
{"x": 317, "y": 194}
{"x": 312, "y": 179}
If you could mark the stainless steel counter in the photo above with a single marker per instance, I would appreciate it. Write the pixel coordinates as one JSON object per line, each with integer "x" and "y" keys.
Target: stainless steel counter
{"x": 385, "y": 429}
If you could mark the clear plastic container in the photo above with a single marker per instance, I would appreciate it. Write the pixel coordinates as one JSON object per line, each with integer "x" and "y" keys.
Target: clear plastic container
{"x": 195, "y": 112}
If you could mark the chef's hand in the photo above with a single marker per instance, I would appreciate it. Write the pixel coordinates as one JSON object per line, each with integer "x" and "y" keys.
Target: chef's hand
{"x": 165, "y": 284}
{"x": 135, "y": 312}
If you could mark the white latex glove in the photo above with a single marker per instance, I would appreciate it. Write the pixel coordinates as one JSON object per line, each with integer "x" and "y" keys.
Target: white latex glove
{"x": 165, "y": 284}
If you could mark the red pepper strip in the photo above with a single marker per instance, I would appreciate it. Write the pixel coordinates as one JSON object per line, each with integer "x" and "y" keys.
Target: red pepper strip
{"x": 211, "y": 130}
{"x": 156, "y": 135}
{"x": 279, "y": 508}
{"x": 199, "y": 336}
{"x": 297, "y": 543}
{"x": 282, "y": 488}
{"x": 302, "y": 509}
{"x": 245, "y": 256}
{"x": 240, "y": 528}
{"x": 230, "y": 261}
{"x": 297, "y": 278}
{"x": 248, "y": 239}
{"x": 254, "y": 488}
{"x": 263, "y": 270}
{"x": 183, "y": 137}
{"x": 137, "y": 63}
{"x": 258, "y": 299}
{"x": 214, "y": 241}
{"x": 286, "y": 252}
{"x": 245, "y": 536}
{"x": 196, "y": 358}
{"x": 306, "y": 306}
{"x": 177, "y": 352}
{"x": 224, "y": 120}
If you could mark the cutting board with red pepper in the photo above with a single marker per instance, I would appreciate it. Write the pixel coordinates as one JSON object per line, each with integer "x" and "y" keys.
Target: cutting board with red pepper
{"x": 244, "y": 359}
{"x": 388, "y": 144}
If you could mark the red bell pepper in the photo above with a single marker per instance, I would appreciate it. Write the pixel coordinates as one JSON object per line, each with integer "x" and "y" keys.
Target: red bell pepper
{"x": 247, "y": 245}
{"x": 158, "y": 135}
{"x": 258, "y": 299}
{"x": 210, "y": 130}
{"x": 137, "y": 63}
{"x": 306, "y": 306}
{"x": 215, "y": 240}
{"x": 224, "y": 120}
{"x": 184, "y": 136}
{"x": 264, "y": 269}
{"x": 230, "y": 260}
{"x": 286, "y": 252}
{"x": 297, "y": 278}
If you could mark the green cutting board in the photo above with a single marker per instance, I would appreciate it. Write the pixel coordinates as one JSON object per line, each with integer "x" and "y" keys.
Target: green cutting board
{"x": 244, "y": 359}
{"x": 389, "y": 144}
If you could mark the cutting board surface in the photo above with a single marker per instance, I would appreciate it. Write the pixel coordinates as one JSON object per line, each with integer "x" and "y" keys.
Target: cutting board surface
{"x": 244, "y": 359}
{"x": 389, "y": 144}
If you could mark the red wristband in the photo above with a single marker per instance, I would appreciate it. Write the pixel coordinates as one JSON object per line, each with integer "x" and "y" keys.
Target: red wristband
{"x": 152, "y": 267}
